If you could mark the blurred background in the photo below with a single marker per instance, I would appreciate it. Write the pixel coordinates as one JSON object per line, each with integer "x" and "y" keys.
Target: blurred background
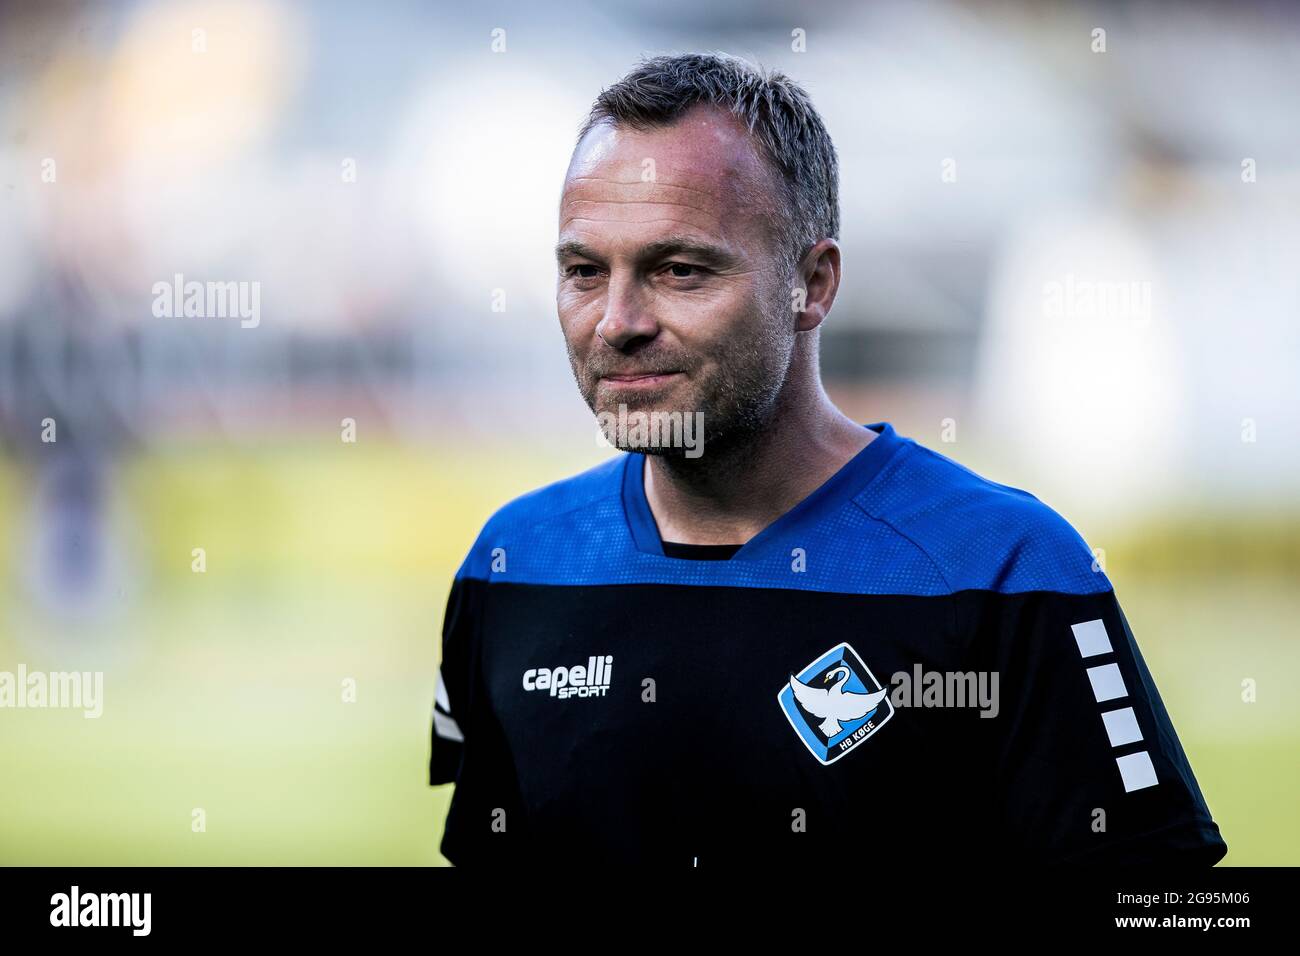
{"x": 1070, "y": 235}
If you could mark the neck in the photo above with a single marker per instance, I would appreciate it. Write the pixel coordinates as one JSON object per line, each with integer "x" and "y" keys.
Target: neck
{"x": 731, "y": 493}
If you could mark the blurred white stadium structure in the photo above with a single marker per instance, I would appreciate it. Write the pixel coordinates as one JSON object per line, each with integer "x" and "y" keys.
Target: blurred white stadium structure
{"x": 389, "y": 174}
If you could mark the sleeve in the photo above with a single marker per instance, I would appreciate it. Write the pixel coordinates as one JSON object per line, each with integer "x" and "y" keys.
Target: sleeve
{"x": 1084, "y": 764}
{"x": 486, "y": 821}
{"x": 451, "y": 688}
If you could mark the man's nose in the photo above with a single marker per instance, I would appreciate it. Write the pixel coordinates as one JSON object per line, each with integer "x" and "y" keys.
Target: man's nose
{"x": 626, "y": 317}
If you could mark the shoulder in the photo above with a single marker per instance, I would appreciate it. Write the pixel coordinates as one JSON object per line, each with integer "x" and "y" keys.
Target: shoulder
{"x": 979, "y": 534}
{"x": 550, "y": 519}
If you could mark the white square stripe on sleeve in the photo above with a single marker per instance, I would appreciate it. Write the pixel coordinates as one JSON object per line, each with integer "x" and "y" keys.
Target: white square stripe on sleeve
{"x": 440, "y": 694}
{"x": 1122, "y": 726}
{"x": 443, "y": 724}
{"x": 1137, "y": 771}
{"x": 1092, "y": 638}
{"x": 446, "y": 728}
{"x": 1107, "y": 682}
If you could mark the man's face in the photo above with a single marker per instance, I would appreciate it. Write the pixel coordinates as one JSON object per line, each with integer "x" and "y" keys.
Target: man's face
{"x": 671, "y": 292}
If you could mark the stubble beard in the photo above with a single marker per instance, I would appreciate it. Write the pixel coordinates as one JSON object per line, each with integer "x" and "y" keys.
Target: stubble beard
{"x": 737, "y": 403}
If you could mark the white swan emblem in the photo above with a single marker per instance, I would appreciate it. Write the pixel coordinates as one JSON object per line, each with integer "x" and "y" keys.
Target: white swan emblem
{"x": 832, "y": 704}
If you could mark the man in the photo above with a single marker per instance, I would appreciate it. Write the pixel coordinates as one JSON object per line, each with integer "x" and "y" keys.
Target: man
{"x": 792, "y": 637}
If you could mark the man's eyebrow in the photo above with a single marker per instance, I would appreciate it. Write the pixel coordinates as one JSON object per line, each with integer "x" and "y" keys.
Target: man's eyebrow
{"x": 702, "y": 252}
{"x": 572, "y": 247}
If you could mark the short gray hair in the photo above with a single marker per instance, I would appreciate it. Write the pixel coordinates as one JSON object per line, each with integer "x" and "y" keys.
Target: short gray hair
{"x": 777, "y": 112}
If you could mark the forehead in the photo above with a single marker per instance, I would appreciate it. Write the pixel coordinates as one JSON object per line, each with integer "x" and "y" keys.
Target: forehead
{"x": 703, "y": 175}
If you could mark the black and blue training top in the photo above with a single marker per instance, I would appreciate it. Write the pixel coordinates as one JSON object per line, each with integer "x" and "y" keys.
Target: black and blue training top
{"x": 915, "y": 663}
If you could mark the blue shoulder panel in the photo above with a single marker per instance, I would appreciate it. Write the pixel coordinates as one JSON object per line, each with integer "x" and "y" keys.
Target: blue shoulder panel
{"x": 979, "y": 533}
{"x": 897, "y": 519}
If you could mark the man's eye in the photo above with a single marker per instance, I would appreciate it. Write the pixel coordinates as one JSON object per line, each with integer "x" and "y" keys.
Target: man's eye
{"x": 576, "y": 271}
{"x": 684, "y": 270}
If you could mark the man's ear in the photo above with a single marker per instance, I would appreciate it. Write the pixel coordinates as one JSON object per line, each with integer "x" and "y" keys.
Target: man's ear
{"x": 817, "y": 280}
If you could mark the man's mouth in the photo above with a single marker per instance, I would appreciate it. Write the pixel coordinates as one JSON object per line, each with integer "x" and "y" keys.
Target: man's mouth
{"x": 638, "y": 379}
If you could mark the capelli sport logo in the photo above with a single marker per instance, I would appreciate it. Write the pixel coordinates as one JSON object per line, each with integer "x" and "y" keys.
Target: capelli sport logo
{"x": 835, "y": 703}
{"x": 581, "y": 680}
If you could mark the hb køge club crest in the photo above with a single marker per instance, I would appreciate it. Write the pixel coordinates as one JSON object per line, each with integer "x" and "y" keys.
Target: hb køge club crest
{"x": 835, "y": 703}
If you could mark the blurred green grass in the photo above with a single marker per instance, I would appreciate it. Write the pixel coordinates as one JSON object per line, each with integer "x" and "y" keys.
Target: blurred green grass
{"x": 328, "y": 562}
